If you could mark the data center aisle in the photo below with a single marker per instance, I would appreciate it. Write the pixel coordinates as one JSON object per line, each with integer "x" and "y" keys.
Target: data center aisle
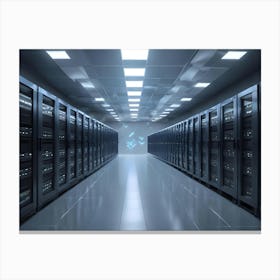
{"x": 140, "y": 192}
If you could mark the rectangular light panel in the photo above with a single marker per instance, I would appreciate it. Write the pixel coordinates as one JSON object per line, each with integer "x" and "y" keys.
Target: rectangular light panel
{"x": 134, "y": 93}
{"x": 169, "y": 110}
{"x": 186, "y": 99}
{"x": 139, "y": 72}
{"x": 175, "y": 105}
{"x": 234, "y": 55}
{"x": 99, "y": 99}
{"x": 202, "y": 85}
{"x": 87, "y": 84}
{"x": 134, "y": 109}
{"x": 133, "y": 99}
{"x": 134, "y": 54}
{"x": 58, "y": 54}
{"x": 133, "y": 105}
{"x": 137, "y": 84}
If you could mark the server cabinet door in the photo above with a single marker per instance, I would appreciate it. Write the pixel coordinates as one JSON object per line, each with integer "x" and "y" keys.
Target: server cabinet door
{"x": 101, "y": 143}
{"x": 62, "y": 146}
{"x": 80, "y": 169}
{"x": 214, "y": 146}
{"x": 48, "y": 159}
{"x": 95, "y": 145}
{"x": 86, "y": 145}
{"x": 196, "y": 146}
{"x": 228, "y": 147}
{"x": 91, "y": 125}
{"x": 73, "y": 144}
{"x": 28, "y": 151}
{"x": 248, "y": 160}
{"x": 204, "y": 146}
{"x": 190, "y": 146}
{"x": 184, "y": 145}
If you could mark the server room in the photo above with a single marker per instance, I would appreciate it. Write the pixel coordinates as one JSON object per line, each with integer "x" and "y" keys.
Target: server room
{"x": 140, "y": 140}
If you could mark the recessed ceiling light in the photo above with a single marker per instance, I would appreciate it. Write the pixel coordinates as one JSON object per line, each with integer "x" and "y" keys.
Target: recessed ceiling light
{"x": 105, "y": 105}
{"x": 134, "y": 93}
{"x": 136, "y": 84}
{"x": 134, "y": 117}
{"x": 134, "y": 109}
{"x": 234, "y": 55}
{"x": 133, "y": 114}
{"x": 87, "y": 84}
{"x": 112, "y": 113}
{"x": 169, "y": 110}
{"x": 162, "y": 115}
{"x": 133, "y": 99}
{"x": 128, "y": 72}
{"x": 134, "y": 54}
{"x": 133, "y": 105}
{"x": 202, "y": 85}
{"x": 99, "y": 99}
{"x": 110, "y": 110}
{"x": 58, "y": 54}
{"x": 175, "y": 105}
{"x": 186, "y": 99}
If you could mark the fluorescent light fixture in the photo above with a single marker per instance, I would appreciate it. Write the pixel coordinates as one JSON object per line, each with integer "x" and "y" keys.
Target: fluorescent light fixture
{"x": 128, "y": 72}
{"x": 112, "y": 113}
{"x": 186, "y": 99}
{"x": 234, "y": 55}
{"x": 105, "y": 105}
{"x": 58, "y": 54}
{"x": 87, "y": 84}
{"x": 202, "y": 85}
{"x": 162, "y": 115}
{"x": 133, "y": 105}
{"x": 133, "y": 114}
{"x": 134, "y": 109}
{"x": 133, "y": 117}
{"x": 134, "y": 93}
{"x": 136, "y": 84}
{"x": 133, "y": 99}
{"x": 99, "y": 99}
{"x": 110, "y": 110}
{"x": 175, "y": 105}
{"x": 134, "y": 54}
{"x": 169, "y": 110}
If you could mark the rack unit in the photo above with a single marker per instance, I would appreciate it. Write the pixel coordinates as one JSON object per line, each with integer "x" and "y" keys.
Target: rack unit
{"x": 220, "y": 147}
{"x": 59, "y": 146}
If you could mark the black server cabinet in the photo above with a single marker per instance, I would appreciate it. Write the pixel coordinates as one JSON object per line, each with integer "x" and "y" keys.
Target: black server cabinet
{"x": 72, "y": 145}
{"x": 28, "y": 148}
{"x": 248, "y": 142}
{"x": 180, "y": 145}
{"x": 47, "y": 159}
{"x": 80, "y": 170}
{"x": 62, "y": 144}
{"x": 190, "y": 145}
{"x": 101, "y": 144}
{"x": 214, "y": 146}
{"x": 196, "y": 146}
{"x": 228, "y": 147}
{"x": 91, "y": 126}
{"x": 204, "y": 121}
{"x": 95, "y": 145}
{"x": 184, "y": 138}
{"x": 86, "y": 145}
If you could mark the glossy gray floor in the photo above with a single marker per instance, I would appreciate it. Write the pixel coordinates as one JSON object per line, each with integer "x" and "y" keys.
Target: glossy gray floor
{"x": 140, "y": 192}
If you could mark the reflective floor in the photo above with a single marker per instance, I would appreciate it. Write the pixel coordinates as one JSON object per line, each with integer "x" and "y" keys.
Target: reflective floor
{"x": 140, "y": 192}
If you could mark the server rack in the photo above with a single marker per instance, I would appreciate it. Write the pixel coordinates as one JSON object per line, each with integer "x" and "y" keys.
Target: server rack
{"x": 204, "y": 130}
{"x": 57, "y": 147}
{"x": 248, "y": 142}
{"x": 61, "y": 143}
{"x": 196, "y": 147}
{"x": 214, "y": 146}
{"x": 28, "y": 148}
{"x": 47, "y": 159}
{"x": 220, "y": 147}
{"x": 228, "y": 148}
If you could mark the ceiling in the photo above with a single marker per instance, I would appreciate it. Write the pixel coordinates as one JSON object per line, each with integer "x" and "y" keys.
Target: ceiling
{"x": 169, "y": 76}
